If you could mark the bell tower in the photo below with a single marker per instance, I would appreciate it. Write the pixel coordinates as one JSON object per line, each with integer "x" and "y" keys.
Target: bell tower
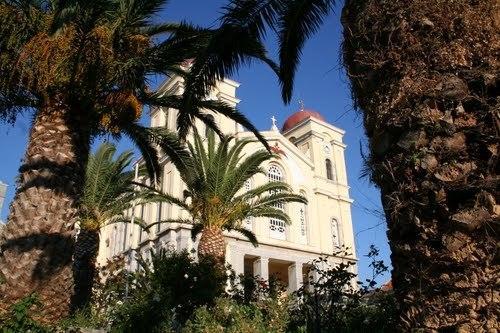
{"x": 319, "y": 141}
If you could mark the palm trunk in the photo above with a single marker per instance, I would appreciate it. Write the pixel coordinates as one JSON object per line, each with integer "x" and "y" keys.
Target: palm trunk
{"x": 37, "y": 244}
{"x": 213, "y": 244}
{"x": 426, "y": 75}
{"x": 84, "y": 267}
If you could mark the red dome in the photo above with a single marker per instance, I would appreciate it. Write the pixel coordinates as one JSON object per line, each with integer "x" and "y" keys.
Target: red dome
{"x": 299, "y": 116}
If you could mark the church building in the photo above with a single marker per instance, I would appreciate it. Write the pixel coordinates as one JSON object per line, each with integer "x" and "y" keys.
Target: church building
{"x": 312, "y": 162}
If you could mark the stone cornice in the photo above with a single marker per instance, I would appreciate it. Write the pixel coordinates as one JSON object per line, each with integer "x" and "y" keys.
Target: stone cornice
{"x": 284, "y": 245}
{"x": 228, "y": 97}
{"x": 276, "y": 136}
{"x": 331, "y": 195}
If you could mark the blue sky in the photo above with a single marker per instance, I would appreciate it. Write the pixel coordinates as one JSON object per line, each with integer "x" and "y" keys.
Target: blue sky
{"x": 320, "y": 83}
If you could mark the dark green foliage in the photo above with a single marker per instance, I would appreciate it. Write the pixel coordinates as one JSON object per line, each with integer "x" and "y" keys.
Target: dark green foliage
{"x": 247, "y": 288}
{"x": 167, "y": 290}
{"x": 228, "y": 315}
{"x": 335, "y": 303}
{"x": 109, "y": 189}
{"x": 96, "y": 59}
{"x": 291, "y": 21}
{"x": 173, "y": 293}
{"x": 109, "y": 192}
{"x": 20, "y": 318}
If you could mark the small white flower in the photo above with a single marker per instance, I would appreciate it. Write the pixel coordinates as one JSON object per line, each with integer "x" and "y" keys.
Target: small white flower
{"x": 186, "y": 276}
{"x": 195, "y": 279}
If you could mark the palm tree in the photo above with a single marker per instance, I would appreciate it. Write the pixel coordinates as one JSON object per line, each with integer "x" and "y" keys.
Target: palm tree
{"x": 426, "y": 76}
{"x": 109, "y": 192}
{"x": 82, "y": 67}
{"x": 214, "y": 177}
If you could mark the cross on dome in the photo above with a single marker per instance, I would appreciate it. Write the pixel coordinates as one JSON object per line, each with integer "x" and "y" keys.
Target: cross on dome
{"x": 274, "y": 127}
{"x": 301, "y": 104}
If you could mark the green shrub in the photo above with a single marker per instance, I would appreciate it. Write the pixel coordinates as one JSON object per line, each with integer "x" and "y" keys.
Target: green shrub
{"x": 20, "y": 319}
{"x": 86, "y": 318}
{"x": 227, "y": 315}
{"x": 174, "y": 293}
{"x": 333, "y": 303}
{"x": 166, "y": 291}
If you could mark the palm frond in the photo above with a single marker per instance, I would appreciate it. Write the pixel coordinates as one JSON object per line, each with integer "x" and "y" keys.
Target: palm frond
{"x": 153, "y": 195}
{"x": 197, "y": 228}
{"x": 184, "y": 221}
{"x": 141, "y": 138}
{"x": 135, "y": 13}
{"x": 277, "y": 198}
{"x": 247, "y": 234}
{"x": 171, "y": 145}
{"x": 264, "y": 188}
{"x": 229, "y": 48}
{"x": 299, "y": 20}
{"x": 270, "y": 212}
{"x": 216, "y": 176}
{"x": 124, "y": 219}
{"x": 109, "y": 188}
{"x": 233, "y": 114}
{"x": 254, "y": 15}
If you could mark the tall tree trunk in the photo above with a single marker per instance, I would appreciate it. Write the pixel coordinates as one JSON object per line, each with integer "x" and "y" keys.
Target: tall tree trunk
{"x": 213, "y": 244}
{"x": 84, "y": 266}
{"x": 37, "y": 244}
{"x": 426, "y": 75}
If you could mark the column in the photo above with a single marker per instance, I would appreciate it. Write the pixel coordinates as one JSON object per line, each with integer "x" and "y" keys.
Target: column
{"x": 183, "y": 238}
{"x": 237, "y": 261}
{"x": 294, "y": 276}
{"x": 172, "y": 240}
{"x": 261, "y": 268}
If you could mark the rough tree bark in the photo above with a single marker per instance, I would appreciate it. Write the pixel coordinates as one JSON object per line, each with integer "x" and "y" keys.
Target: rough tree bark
{"x": 213, "y": 244}
{"x": 38, "y": 240}
{"x": 426, "y": 75}
{"x": 84, "y": 267}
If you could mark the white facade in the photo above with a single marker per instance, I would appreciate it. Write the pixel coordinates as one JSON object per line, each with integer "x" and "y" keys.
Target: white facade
{"x": 314, "y": 165}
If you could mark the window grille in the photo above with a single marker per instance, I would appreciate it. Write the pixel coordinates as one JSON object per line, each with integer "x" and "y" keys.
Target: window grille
{"x": 277, "y": 227}
{"x": 329, "y": 169}
{"x": 303, "y": 223}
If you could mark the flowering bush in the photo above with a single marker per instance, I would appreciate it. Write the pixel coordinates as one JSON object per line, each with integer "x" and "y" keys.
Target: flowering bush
{"x": 166, "y": 291}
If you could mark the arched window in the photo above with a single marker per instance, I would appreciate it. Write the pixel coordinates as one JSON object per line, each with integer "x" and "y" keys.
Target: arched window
{"x": 207, "y": 128}
{"x": 247, "y": 186}
{"x": 329, "y": 169}
{"x": 275, "y": 174}
{"x": 247, "y": 222}
{"x": 276, "y": 226}
{"x": 334, "y": 223}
